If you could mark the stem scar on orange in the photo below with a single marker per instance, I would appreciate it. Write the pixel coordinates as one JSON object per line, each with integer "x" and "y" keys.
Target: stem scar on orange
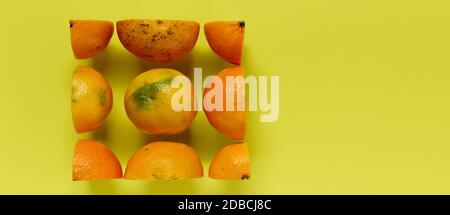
{"x": 226, "y": 39}
{"x": 91, "y": 99}
{"x": 94, "y": 161}
{"x": 231, "y": 162}
{"x": 164, "y": 160}
{"x": 89, "y": 37}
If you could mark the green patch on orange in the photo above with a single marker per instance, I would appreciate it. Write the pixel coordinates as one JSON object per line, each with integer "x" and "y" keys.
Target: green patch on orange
{"x": 147, "y": 93}
{"x": 102, "y": 98}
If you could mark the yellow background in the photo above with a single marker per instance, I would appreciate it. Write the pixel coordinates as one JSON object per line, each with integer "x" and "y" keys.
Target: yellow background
{"x": 364, "y": 96}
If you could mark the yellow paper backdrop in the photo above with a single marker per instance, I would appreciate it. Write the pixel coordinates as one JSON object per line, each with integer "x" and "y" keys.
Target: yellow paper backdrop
{"x": 364, "y": 96}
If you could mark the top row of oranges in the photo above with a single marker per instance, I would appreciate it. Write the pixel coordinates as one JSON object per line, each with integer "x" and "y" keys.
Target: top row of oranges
{"x": 157, "y": 40}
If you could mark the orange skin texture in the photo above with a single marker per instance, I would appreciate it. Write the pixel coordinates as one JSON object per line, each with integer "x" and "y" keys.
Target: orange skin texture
{"x": 226, "y": 39}
{"x": 229, "y": 123}
{"x": 158, "y": 40}
{"x": 157, "y": 116}
{"x": 94, "y": 161}
{"x": 91, "y": 99}
{"x": 166, "y": 161}
{"x": 89, "y": 37}
{"x": 231, "y": 162}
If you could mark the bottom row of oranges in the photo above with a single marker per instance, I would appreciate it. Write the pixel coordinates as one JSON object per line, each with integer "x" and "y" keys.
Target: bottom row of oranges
{"x": 158, "y": 160}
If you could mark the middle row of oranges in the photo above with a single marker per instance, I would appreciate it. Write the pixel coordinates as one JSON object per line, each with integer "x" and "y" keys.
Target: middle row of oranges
{"x": 148, "y": 103}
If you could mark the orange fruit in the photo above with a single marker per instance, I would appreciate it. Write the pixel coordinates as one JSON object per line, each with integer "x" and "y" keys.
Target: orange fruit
{"x": 158, "y": 40}
{"x": 226, "y": 39}
{"x": 229, "y": 123}
{"x": 232, "y": 162}
{"x": 91, "y": 99}
{"x": 89, "y": 37}
{"x": 164, "y": 160}
{"x": 94, "y": 161}
{"x": 148, "y": 103}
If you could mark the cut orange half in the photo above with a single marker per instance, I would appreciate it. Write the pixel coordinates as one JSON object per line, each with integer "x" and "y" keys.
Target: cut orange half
{"x": 158, "y": 40}
{"x": 94, "y": 161}
{"x": 89, "y": 37}
{"x": 226, "y": 39}
{"x": 164, "y": 160}
{"x": 232, "y": 162}
{"x": 91, "y": 99}
{"x": 230, "y": 123}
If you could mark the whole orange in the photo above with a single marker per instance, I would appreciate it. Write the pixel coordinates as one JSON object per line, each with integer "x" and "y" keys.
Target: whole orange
{"x": 148, "y": 103}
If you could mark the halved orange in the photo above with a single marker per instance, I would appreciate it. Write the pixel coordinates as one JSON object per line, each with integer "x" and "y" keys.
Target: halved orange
{"x": 164, "y": 160}
{"x": 91, "y": 99}
{"x": 229, "y": 123}
{"x": 94, "y": 161}
{"x": 231, "y": 162}
{"x": 89, "y": 37}
{"x": 226, "y": 39}
{"x": 158, "y": 40}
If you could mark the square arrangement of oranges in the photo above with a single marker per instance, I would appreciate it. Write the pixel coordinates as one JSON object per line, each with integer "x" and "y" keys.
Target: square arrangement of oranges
{"x": 148, "y": 100}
